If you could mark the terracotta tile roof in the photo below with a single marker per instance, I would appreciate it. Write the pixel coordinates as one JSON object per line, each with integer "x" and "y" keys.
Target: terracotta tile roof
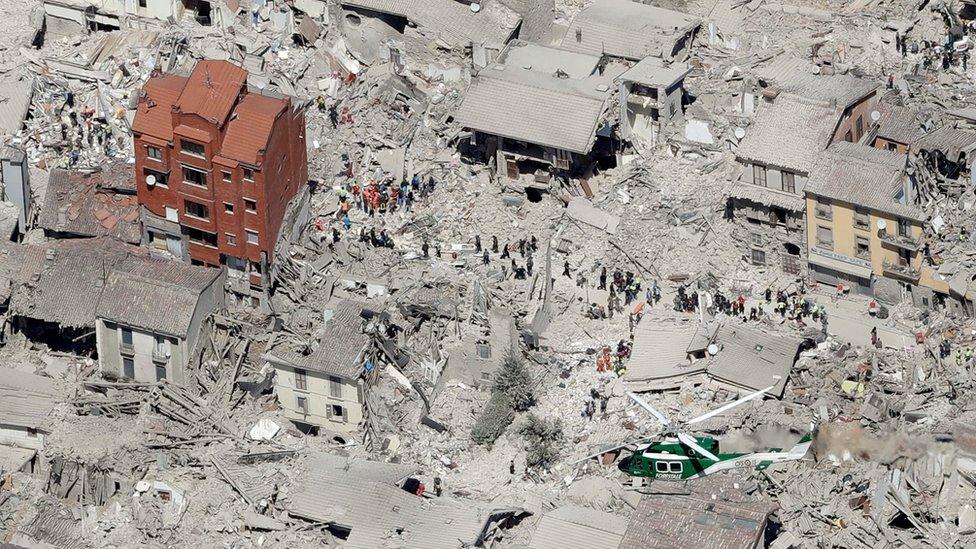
{"x": 248, "y": 132}
{"x": 85, "y": 204}
{"x": 26, "y": 400}
{"x": 212, "y": 90}
{"x": 154, "y": 113}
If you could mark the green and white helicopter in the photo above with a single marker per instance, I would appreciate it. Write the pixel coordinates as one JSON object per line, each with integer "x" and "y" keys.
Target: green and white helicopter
{"x": 676, "y": 455}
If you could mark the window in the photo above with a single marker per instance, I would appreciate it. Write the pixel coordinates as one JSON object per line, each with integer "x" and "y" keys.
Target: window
{"x": 160, "y": 372}
{"x": 191, "y": 148}
{"x": 759, "y": 175}
{"x": 758, "y": 257}
{"x": 848, "y": 137}
{"x": 789, "y": 182}
{"x": 194, "y": 177}
{"x": 154, "y": 152}
{"x": 128, "y": 367}
{"x": 302, "y": 405}
{"x": 824, "y": 209}
{"x": 202, "y": 238}
{"x": 252, "y": 237}
{"x": 661, "y": 466}
{"x": 161, "y": 348}
{"x": 904, "y": 258}
{"x": 126, "y": 337}
{"x": 483, "y": 350}
{"x": 231, "y": 239}
{"x": 301, "y": 379}
{"x": 225, "y": 176}
{"x": 250, "y": 205}
{"x": 674, "y": 466}
{"x": 337, "y": 411}
{"x": 904, "y": 228}
{"x": 825, "y": 237}
{"x": 862, "y": 247}
{"x": 248, "y": 174}
{"x": 859, "y": 127}
{"x": 862, "y": 218}
{"x": 757, "y": 239}
{"x": 158, "y": 178}
{"x": 671, "y": 109}
{"x": 255, "y": 266}
{"x": 335, "y": 387}
{"x": 143, "y": 3}
{"x": 228, "y": 208}
{"x": 485, "y": 376}
{"x": 197, "y": 210}
{"x": 893, "y": 147}
{"x": 172, "y": 214}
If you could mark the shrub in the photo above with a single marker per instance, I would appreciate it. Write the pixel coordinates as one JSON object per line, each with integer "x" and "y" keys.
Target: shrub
{"x": 544, "y": 439}
{"x": 515, "y": 381}
{"x": 494, "y": 419}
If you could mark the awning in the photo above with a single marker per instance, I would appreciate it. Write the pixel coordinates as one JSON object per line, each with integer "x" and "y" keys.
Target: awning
{"x": 835, "y": 264}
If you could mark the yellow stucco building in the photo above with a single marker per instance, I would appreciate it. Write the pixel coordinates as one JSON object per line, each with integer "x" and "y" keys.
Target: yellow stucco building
{"x": 862, "y": 231}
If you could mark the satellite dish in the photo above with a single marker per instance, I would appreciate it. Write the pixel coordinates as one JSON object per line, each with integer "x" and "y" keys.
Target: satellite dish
{"x": 882, "y": 224}
{"x": 713, "y": 349}
{"x": 875, "y": 116}
{"x": 150, "y": 180}
{"x": 740, "y": 133}
{"x": 475, "y": 7}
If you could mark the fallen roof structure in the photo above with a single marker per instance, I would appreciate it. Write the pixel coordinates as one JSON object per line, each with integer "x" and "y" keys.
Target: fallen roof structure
{"x": 629, "y": 30}
{"x": 773, "y": 140}
{"x": 377, "y": 513}
{"x": 751, "y": 360}
{"x": 575, "y": 527}
{"x": 796, "y": 76}
{"x": 26, "y": 400}
{"x": 662, "y": 355}
{"x": 714, "y": 513}
{"x": 87, "y": 204}
{"x": 453, "y": 22}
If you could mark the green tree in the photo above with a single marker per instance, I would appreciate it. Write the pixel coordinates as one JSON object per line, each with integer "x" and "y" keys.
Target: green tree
{"x": 494, "y": 419}
{"x": 515, "y": 381}
{"x": 544, "y": 440}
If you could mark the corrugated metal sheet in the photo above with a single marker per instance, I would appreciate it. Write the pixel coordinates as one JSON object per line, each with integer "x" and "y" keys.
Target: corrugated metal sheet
{"x": 212, "y": 90}
{"x": 26, "y": 400}
{"x": 249, "y": 131}
{"x": 452, "y": 21}
{"x": 626, "y": 29}
{"x": 542, "y": 115}
{"x": 773, "y": 138}
{"x": 573, "y": 527}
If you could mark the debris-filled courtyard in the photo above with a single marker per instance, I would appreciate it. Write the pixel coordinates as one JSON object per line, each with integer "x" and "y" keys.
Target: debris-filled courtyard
{"x": 487, "y": 273}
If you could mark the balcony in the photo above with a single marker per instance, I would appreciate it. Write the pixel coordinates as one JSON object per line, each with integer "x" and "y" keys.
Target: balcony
{"x": 903, "y": 242}
{"x": 160, "y": 355}
{"x": 902, "y": 272}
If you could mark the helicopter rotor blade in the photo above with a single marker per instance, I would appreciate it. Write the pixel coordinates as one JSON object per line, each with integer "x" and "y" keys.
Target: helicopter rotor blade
{"x": 690, "y": 441}
{"x": 657, "y": 415}
{"x": 729, "y": 406}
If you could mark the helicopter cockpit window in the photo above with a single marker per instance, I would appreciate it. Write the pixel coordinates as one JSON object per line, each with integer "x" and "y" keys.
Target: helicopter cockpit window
{"x": 661, "y": 466}
{"x": 675, "y": 466}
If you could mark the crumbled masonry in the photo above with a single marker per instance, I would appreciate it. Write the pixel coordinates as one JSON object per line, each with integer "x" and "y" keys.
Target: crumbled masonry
{"x": 441, "y": 274}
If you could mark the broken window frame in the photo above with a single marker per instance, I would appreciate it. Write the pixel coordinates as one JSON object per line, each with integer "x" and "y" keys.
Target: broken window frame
{"x": 162, "y": 178}
{"x": 824, "y": 209}
{"x": 904, "y": 228}
{"x": 199, "y": 240}
{"x": 824, "y": 243}
{"x": 247, "y": 174}
{"x": 758, "y": 256}
{"x": 862, "y": 247}
{"x": 862, "y": 218}
{"x": 231, "y": 239}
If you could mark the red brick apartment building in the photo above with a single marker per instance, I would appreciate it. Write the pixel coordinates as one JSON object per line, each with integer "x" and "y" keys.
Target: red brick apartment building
{"x": 216, "y": 165}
